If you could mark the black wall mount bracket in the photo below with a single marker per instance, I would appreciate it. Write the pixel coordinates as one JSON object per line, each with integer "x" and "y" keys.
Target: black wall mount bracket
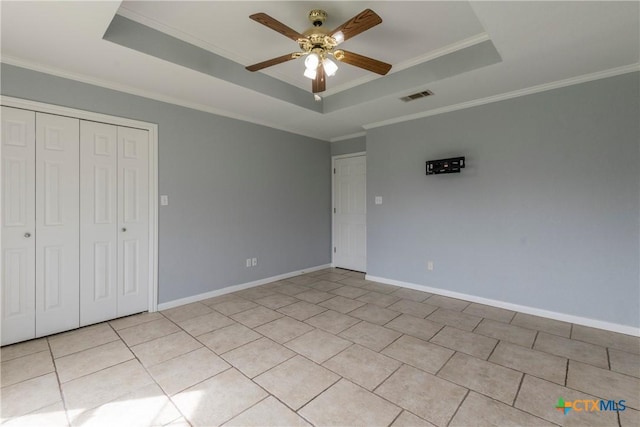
{"x": 452, "y": 165}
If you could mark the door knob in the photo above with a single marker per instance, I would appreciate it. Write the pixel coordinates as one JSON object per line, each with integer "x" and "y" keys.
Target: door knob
{"x": 27, "y": 235}
{"x": 124, "y": 229}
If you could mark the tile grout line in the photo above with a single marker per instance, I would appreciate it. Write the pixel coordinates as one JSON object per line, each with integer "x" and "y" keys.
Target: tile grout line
{"x": 477, "y": 391}
{"x": 387, "y": 378}
{"x": 257, "y": 375}
{"x": 459, "y": 406}
{"x": 497, "y": 339}
{"x": 157, "y": 338}
{"x": 120, "y": 337}
{"x": 29, "y": 378}
{"x": 397, "y": 416}
{"x": 133, "y": 315}
{"x": 234, "y": 348}
{"x": 587, "y": 392}
{"x": 246, "y": 409}
{"x": 340, "y": 377}
{"x": 88, "y": 348}
{"x": 571, "y": 331}
{"x": 533, "y": 344}
{"x": 515, "y": 396}
{"x": 402, "y": 334}
{"x": 607, "y": 346}
{"x": 586, "y": 363}
{"x": 473, "y": 331}
{"x": 296, "y": 411}
{"x": 514, "y": 407}
{"x": 99, "y": 370}
{"x": 415, "y": 415}
{"x": 445, "y": 364}
{"x": 368, "y": 391}
{"x": 55, "y": 369}
{"x": 493, "y": 349}
{"x": 195, "y": 384}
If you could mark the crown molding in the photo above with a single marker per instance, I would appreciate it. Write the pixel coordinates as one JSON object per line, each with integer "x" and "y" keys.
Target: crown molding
{"x": 508, "y": 95}
{"x": 350, "y": 136}
{"x": 130, "y": 90}
{"x": 195, "y": 106}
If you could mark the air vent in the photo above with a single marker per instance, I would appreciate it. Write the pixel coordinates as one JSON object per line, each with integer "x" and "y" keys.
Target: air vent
{"x": 415, "y": 96}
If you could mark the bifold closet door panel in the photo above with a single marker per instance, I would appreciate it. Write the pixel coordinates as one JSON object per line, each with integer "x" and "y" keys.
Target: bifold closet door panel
{"x": 18, "y": 225}
{"x": 133, "y": 221}
{"x": 98, "y": 222}
{"x": 57, "y": 223}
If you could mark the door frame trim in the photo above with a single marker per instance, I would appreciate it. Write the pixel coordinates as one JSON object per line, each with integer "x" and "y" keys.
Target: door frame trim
{"x": 333, "y": 194}
{"x": 152, "y": 128}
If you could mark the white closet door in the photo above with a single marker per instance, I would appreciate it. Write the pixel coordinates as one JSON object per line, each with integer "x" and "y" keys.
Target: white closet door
{"x": 133, "y": 221}
{"x": 57, "y": 224}
{"x": 98, "y": 222}
{"x": 18, "y": 225}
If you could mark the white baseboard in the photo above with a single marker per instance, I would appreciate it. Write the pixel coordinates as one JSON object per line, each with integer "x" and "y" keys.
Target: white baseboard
{"x": 235, "y": 288}
{"x": 585, "y": 321}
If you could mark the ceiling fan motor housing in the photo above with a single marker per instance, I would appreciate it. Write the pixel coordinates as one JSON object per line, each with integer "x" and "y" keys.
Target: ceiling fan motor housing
{"x": 317, "y": 39}
{"x": 317, "y": 17}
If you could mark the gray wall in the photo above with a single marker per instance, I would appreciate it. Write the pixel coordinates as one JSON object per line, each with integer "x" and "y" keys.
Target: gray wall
{"x": 349, "y": 146}
{"x": 236, "y": 190}
{"x": 546, "y": 214}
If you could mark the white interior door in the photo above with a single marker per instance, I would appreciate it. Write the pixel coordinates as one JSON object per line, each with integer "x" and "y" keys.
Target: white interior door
{"x": 350, "y": 213}
{"x": 18, "y": 225}
{"x": 133, "y": 220}
{"x": 98, "y": 222}
{"x": 57, "y": 223}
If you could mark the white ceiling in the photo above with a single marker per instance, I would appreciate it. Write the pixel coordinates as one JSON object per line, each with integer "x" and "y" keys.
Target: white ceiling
{"x": 541, "y": 44}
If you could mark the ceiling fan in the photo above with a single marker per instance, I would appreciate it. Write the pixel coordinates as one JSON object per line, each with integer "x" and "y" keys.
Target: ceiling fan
{"x": 317, "y": 44}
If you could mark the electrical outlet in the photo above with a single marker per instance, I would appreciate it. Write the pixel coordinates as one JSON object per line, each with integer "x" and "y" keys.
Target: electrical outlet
{"x": 430, "y": 265}
{"x": 248, "y": 262}
{"x": 254, "y": 262}
{"x": 164, "y": 200}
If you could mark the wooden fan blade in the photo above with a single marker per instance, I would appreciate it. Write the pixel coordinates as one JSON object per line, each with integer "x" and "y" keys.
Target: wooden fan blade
{"x": 359, "y": 23}
{"x": 367, "y": 63}
{"x": 276, "y": 25}
{"x": 270, "y": 62}
{"x": 319, "y": 84}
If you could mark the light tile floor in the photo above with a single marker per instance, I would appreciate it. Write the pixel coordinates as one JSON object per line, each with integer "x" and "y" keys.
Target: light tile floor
{"x": 325, "y": 348}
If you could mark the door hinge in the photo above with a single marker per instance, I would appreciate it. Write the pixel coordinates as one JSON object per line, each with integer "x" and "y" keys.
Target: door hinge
{"x": 334, "y": 210}
{"x": 334, "y": 249}
{"x": 334, "y": 171}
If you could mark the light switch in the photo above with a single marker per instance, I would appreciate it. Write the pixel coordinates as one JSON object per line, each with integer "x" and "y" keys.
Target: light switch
{"x": 378, "y": 200}
{"x": 164, "y": 200}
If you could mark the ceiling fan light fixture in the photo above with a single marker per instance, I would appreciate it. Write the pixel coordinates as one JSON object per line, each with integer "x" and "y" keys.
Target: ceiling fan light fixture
{"x": 330, "y": 67}
{"x": 312, "y": 62}
{"x": 317, "y": 44}
{"x": 310, "y": 73}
